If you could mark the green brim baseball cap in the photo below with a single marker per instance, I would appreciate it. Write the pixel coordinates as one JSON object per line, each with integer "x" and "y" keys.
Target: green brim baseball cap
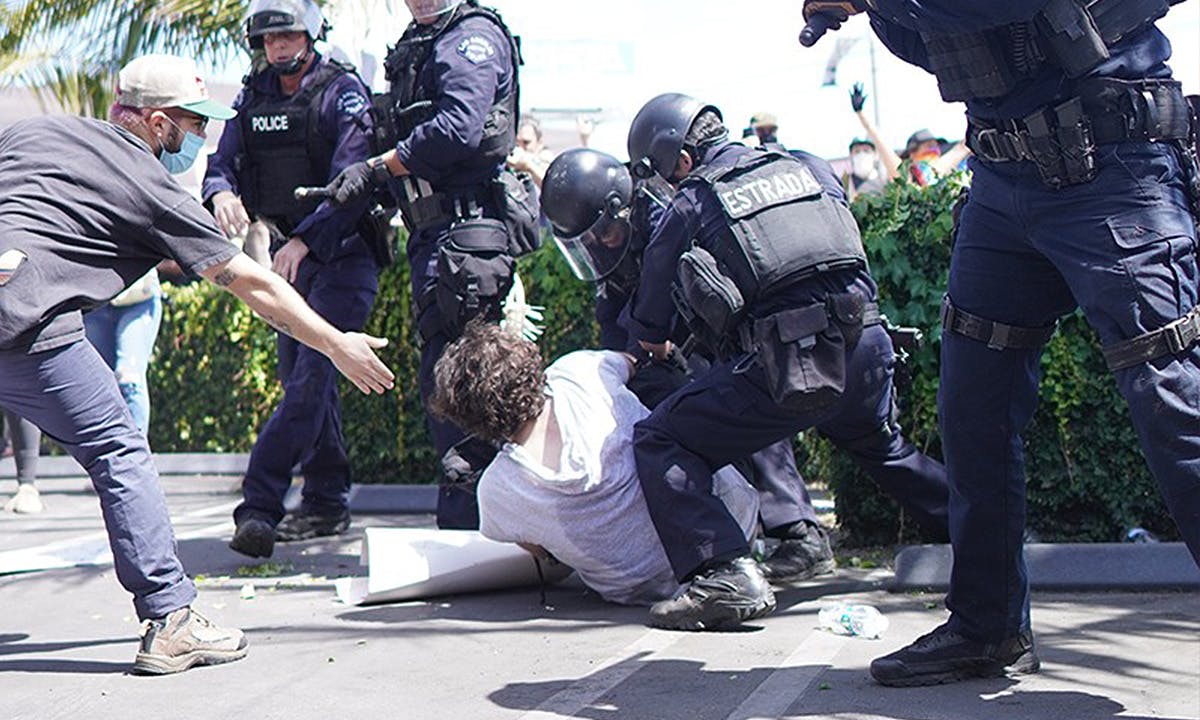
{"x": 163, "y": 81}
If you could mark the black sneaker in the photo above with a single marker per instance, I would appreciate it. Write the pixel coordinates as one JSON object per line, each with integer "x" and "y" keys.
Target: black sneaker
{"x": 944, "y": 656}
{"x": 800, "y": 557}
{"x": 303, "y": 525}
{"x": 254, "y": 537}
{"x": 723, "y": 596}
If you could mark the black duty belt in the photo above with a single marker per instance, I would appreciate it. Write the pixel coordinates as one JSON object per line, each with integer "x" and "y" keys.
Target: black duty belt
{"x": 426, "y": 208}
{"x": 997, "y": 335}
{"x": 1061, "y": 139}
{"x": 1169, "y": 340}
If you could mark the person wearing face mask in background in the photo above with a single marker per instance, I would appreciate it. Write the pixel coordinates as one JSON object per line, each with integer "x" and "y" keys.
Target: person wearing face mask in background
{"x": 86, "y": 207}
{"x": 865, "y": 176}
{"x": 873, "y": 163}
{"x": 303, "y": 118}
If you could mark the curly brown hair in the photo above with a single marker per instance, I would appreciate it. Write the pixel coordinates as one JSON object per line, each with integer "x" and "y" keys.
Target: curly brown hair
{"x": 489, "y": 382}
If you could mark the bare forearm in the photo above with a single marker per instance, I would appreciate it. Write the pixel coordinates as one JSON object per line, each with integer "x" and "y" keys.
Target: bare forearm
{"x": 891, "y": 161}
{"x": 276, "y": 302}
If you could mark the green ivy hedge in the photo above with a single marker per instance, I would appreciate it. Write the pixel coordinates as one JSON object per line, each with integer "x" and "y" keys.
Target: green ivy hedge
{"x": 212, "y": 384}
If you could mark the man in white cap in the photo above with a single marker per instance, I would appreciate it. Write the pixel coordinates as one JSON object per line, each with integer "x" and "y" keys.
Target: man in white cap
{"x": 86, "y": 207}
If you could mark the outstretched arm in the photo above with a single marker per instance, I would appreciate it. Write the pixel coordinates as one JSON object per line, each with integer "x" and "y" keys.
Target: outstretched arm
{"x": 888, "y": 156}
{"x": 273, "y": 299}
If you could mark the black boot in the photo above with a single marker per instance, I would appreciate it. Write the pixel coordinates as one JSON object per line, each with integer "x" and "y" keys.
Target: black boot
{"x": 803, "y": 553}
{"x": 944, "y": 656}
{"x": 254, "y": 537}
{"x": 303, "y": 525}
{"x": 722, "y": 596}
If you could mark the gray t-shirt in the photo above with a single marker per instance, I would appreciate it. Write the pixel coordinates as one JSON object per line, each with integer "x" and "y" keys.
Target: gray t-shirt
{"x": 85, "y": 210}
{"x": 591, "y": 513}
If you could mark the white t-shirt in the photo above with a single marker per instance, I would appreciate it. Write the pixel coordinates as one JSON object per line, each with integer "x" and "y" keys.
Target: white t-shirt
{"x": 591, "y": 514}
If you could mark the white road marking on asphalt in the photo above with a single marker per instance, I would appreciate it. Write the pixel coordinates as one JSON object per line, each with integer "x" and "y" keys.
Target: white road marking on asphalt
{"x": 610, "y": 673}
{"x": 792, "y": 679}
{"x": 90, "y": 549}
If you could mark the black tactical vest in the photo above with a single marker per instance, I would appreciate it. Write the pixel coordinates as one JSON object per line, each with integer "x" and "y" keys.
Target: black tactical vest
{"x": 784, "y": 226}
{"x": 284, "y": 149}
{"x": 1072, "y": 35}
{"x": 407, "y": 104}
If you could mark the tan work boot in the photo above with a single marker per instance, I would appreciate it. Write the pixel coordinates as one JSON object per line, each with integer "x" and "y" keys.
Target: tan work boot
{"x": 185, "y": 638}
{"x": 27, "y": 501}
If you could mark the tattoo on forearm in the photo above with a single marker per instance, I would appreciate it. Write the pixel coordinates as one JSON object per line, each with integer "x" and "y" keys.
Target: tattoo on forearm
{"x": 224, "y": 278}
{"x": 278, "y": 325}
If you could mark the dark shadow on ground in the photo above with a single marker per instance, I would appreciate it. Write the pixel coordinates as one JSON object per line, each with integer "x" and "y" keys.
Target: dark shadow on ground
{"x": 65, "y": 667}
{"x": 683, "y": 690}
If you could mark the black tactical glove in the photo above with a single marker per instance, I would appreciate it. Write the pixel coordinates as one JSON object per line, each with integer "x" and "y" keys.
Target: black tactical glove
{"x": 823, "y": 15}
{"x": 858, "y": 98}
{"x": 839, "y": 10}
{"x": 357, "y": 180}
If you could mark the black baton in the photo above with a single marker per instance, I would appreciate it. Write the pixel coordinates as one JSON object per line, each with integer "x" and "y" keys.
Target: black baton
{"x": 816, "y": 27}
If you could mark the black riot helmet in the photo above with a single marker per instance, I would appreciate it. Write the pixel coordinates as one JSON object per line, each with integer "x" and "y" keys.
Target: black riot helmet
{"x": 586, "y": 196}
{"x": 658, "y": 130}
{"x": 268, "y": 16}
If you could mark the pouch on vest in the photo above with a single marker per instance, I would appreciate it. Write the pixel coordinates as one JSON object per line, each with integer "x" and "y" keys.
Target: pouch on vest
{"x": 709, "y": 292}
{"x": 375, "y": 229}
{"x": 803, "y": 357}
{"x": 848, "y": 310}
{"x": 474, "y": 272}
{"x": 517, "y": 198}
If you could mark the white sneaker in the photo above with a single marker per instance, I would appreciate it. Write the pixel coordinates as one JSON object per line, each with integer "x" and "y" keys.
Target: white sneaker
{"x": 27, "y": 501}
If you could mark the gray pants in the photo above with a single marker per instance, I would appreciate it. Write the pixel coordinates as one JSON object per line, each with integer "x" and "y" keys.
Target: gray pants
{"x": 73, "y": 396}
{"x": 26, "y": 440}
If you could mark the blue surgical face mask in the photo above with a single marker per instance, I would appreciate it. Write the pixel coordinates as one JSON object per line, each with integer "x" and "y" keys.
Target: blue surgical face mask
{"x": 179, "y": 161}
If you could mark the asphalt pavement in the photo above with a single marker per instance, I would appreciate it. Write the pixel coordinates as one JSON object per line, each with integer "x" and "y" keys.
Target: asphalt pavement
{"x": 68, "y": 637}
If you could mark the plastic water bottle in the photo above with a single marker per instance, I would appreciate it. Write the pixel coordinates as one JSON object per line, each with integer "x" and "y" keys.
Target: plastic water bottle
{"x": 862, "y": 620}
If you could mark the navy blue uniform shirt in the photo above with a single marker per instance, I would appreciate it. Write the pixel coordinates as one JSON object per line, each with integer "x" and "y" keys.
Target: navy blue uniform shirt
{"x": 469, "y": 69}
{"x": 898, "y": 22}
{"x": 344, "y": 117}
{"x": 89, "y": 209}
{"x": 695, "y": 214}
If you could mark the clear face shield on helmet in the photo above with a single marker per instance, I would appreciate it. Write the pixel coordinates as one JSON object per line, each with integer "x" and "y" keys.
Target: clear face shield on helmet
{"x": 598, "y": 251}
{"x": 658, "y": 190}
{"x": 428, "y": 10}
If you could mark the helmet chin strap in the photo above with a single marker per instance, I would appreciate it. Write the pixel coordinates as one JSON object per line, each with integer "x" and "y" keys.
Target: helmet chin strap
{"x": 294, "y": 64}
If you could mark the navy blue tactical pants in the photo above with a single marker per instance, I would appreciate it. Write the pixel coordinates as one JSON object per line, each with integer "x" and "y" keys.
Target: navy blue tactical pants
{"x": 1122, "y": 247}
{"x": 457, "y": 506}
{"x": 73, "y": 397}
{"x": 783, "y": 500}
{"x": 306, "y": 427}
{"x": 724, "y": 415}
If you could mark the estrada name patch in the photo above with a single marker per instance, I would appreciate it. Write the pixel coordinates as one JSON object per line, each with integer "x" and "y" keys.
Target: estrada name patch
{"x": 745, "y": 196}
{"x": 476, "y": 49}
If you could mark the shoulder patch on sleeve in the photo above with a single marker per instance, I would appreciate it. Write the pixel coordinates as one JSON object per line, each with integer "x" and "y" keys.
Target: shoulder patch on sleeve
{"x": 476, "y": 49}
{"x": 351, "y": 102}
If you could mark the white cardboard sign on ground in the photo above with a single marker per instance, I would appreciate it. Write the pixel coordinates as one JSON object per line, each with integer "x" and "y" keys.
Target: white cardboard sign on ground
{"x": 413, "y": 563}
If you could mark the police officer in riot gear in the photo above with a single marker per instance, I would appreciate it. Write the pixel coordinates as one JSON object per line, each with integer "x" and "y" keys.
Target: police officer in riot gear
{"x": 601, "y": 223}
{"x": 768, "y": 259}
{"x": 1080, "y": 198}
{"x": 302, "y": 118}
{"x": 448, "y": 124}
